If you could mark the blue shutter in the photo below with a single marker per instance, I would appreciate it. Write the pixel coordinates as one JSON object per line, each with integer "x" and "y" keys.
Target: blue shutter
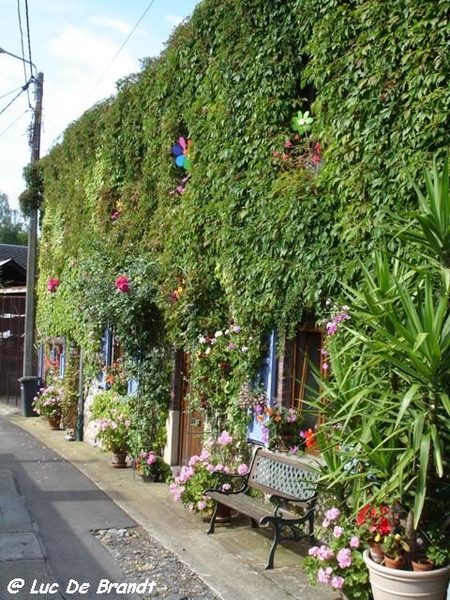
{"x": 106, "y": 351}
{"x": 41, "y": 367}
{"x": 62, "y": 363}
{"x": 268, "y": 378}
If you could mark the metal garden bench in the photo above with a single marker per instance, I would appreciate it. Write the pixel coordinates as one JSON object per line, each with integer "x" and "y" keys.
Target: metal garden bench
{"x": 291, "y": 490}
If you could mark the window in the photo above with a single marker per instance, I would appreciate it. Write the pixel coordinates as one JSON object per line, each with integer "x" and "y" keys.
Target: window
{"x": 306, "y": 359}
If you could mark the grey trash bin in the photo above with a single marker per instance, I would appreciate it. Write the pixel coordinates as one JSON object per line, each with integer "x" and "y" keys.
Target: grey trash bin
{"x": 29, "y": 387}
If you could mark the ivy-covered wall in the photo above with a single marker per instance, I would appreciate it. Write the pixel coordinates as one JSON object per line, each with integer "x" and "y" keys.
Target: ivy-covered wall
{"x": 254, "y": 236}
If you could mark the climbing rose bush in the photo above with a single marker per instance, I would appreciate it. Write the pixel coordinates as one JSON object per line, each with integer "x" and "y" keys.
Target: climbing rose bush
{"x": 123, "y": 284}
{"x": 52, "y": 284}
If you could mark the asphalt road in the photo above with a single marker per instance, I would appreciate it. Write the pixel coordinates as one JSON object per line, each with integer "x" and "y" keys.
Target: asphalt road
{"x": 47, "y": 512}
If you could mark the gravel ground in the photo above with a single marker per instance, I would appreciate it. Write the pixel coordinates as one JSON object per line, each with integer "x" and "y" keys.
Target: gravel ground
{"x": 142, "y": 558}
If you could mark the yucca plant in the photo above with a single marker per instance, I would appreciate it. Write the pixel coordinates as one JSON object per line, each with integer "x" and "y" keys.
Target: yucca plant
{"x": 386, "y": 431}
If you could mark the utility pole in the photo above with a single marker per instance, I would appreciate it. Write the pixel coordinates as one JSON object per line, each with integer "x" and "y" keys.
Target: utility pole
{"x": 29, "y": 355}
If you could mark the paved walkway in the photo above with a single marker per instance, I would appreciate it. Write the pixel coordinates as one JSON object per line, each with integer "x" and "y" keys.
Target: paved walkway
{"x": 230, "y": 561}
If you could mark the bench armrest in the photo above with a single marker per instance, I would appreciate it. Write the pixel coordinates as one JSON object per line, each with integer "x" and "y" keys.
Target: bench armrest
{"x": 229, "y": 483}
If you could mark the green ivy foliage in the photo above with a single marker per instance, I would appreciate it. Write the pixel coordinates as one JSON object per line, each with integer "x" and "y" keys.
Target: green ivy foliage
{"x": 247, "y": 239}
{"x": 382, "y": 106}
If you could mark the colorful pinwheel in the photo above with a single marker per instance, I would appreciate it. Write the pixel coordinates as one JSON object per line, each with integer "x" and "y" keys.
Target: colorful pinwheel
{"x": 181, "y": 153}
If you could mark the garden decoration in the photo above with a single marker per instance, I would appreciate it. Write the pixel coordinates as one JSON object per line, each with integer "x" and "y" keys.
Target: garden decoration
{"x": 181, "y": 153}
{"x": 302, "y": 122}
{"x": 385, "y": 438}
{"x": 182, "y": 159}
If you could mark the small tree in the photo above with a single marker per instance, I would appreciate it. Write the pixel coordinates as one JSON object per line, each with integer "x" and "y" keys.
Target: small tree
{"x": 11, "y": 227}
{"x": 387, "y": 401}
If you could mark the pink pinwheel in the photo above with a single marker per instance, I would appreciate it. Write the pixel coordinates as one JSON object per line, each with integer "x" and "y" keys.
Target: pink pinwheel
{"x": 181, "y": 153}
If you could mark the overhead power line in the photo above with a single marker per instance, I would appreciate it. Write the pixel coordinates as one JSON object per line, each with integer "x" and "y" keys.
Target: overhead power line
{"x": 2, "y": 133}
{"x": 11, "y": 92}
{"x": 23, "y": 89}
{"x": 28, "y": 32}
{"x": 24, "y": 63}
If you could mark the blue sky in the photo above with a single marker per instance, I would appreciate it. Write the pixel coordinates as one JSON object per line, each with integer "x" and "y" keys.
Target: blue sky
{"x": 73, "y": 43}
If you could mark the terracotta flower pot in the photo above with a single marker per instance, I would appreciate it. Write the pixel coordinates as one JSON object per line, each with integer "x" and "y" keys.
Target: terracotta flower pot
{"x": 54, "y": 422}
{"x": 376, "y": 553}
{"x": 425, "y": 565}
{"x": 394, "y": 563}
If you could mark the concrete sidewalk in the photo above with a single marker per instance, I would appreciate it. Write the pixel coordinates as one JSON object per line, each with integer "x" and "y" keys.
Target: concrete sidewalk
{"x": 231, "y": 561}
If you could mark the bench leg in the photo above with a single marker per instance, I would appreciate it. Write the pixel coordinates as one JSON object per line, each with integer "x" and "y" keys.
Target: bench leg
{"x": 212, "y": 523}
{"x": 276, "y": 539}
{"x": 254, "y": 523}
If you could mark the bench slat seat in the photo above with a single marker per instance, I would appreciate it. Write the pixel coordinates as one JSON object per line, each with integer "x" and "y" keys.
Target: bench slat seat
{"x": 251, "y": 507}
{"x": 291, "y": 488}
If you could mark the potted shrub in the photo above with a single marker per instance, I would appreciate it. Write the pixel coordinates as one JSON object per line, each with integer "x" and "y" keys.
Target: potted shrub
{"x": 431, "y": 552}
{"x": 48, "y": 403}
{"x": 385, "y": 439}
{"x": 151, "y": 466}
{"x": 113, "y": 427}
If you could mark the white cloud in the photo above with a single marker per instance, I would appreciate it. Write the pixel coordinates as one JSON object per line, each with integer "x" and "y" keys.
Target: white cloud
{"x": 85, "y": 71}
{"x": 110, "y": 23}
{"x": 85, "y": 48}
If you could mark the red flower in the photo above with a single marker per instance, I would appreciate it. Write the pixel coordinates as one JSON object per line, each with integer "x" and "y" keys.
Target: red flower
{"x": 53, "y": 284}
{"x": 123, "y": 284}
{"x": 309, "y": 437}
{"x": 376, "y": 517}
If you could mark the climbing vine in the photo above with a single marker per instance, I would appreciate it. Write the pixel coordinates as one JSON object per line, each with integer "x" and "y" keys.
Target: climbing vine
{"x": 248, "y": 237}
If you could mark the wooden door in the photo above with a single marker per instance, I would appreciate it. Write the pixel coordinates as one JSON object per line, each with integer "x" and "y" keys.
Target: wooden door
{"x": 191, "y": 422}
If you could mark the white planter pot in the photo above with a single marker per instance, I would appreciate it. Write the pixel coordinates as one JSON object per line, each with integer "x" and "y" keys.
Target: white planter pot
{"x": 392, "y": 584}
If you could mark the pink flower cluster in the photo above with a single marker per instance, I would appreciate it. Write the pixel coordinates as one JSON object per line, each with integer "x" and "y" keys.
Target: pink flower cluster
{"x": 333, "y": 325}
{"x": 326, "y": 554}
{"x": 123, "y": 284}
{"x": 195, "y": 477}
{"x": 331, "y": 328}
{"x": 52, "y": 284}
